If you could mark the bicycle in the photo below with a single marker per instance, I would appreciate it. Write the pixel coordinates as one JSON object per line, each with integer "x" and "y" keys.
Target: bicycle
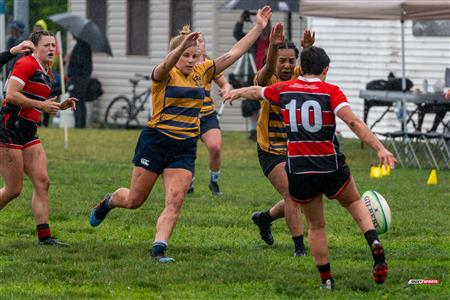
{"x": 122, "y": 113}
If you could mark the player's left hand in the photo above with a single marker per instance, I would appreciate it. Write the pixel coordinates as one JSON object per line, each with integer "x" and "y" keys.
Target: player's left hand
{"x": 69, "y": 103}
{"x": 225, "y": 91}
{"x": 230, "y": 96}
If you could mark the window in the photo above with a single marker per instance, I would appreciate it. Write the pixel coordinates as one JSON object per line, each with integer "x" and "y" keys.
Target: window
{"x": 96, "y": 11}
{"x": 137, "y": 27}
{"x": 180, "y": 14}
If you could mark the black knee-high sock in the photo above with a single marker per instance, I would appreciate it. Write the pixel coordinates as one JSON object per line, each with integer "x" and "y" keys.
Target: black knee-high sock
{"x": 267, "y": 217}
{"x": 298, "y": 242}
{"x": 43, "y": 231}
{"x": 325, "y": 272}
{"x": 372, "y": 238}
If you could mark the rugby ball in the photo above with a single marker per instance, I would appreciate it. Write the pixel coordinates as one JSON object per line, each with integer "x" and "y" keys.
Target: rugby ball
{"x": 379, "y": 210}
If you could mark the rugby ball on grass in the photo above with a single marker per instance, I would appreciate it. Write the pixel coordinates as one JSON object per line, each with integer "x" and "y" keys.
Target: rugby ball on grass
{"x": 379, "y": 210}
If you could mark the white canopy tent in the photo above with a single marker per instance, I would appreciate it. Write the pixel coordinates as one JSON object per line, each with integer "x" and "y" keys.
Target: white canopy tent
{"x": 379, "y": 10}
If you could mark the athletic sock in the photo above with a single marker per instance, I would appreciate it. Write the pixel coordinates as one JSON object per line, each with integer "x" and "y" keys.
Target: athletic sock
{"x": 372, "y": 238}
{"x": 298, "y": 242}
{"x": 158, "y": 248}
{"x": 325, "y": 272}
{"x": 43, "y": 231}
{"x": 214, "y": 175}
{"x": 106, "y": 204}
{"x": 267, "y": 217}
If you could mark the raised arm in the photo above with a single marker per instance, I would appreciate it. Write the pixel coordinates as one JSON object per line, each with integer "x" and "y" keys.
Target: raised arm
{"x": 162, "y": 70}
{"x": 226, "y": 60}
{"x": 364, "y": 134}
{"x": 275, "y": 39}
{"x": 25, "y": 46}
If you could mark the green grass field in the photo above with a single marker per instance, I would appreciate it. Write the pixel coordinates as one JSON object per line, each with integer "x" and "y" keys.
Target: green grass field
{"x": 217, "y": 247}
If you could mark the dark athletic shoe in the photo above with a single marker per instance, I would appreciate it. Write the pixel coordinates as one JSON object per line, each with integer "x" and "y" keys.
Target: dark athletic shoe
{"x": 98, "y": 214}
{"x": 214, "y": 188}
{"x": 264, "y": 227}
{"x": 327, "y": 285}
{"x": 300, "y": 252}
{"x": 51, "y": 241}
{"x": 380, "y": 269}
{"x": 191, "y": 188}
{"x": 162, "y": 258}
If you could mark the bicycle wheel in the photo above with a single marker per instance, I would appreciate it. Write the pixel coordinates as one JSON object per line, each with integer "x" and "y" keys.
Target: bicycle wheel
{"x": 117, "y": 114}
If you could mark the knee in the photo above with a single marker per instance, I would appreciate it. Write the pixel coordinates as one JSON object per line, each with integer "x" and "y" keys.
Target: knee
{"x": 316, "y": 224}
{"x": 13, "y": 193}
{"x": 43, "y": 183}
{"x": 134, "y": 203}
{"x": 214, "y": 149}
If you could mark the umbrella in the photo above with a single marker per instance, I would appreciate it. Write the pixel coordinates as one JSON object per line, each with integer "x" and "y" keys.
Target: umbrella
{"x": 277, "y": 5}
{"x": 84, "y": 29}
{"x": 380, "y": 10}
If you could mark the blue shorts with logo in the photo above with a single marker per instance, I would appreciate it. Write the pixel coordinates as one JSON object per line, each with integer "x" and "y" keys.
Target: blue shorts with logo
{"x": 156, "y": 152}
{"x": 209, "y": 122}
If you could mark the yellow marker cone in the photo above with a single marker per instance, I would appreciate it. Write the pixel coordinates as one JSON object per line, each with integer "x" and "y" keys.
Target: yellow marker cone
{"x": 384, "y": 170}
{"x": 375, "y": 172}
{"x": 432, "y": 179}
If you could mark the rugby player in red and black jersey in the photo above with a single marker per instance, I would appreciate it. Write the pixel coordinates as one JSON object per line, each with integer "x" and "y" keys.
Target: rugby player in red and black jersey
{"x": 316, "y": 166}
{"x": 21, "y": 152}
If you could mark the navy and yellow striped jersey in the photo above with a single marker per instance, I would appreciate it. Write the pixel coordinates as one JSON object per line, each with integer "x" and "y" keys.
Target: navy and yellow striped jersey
{"x": 271, "y": 133}
{"x": 208, "y": 105}
{"x": 177, "y": 101}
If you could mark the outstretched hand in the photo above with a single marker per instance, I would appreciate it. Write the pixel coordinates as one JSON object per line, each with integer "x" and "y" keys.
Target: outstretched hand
{"x": 50, "y": 105}
{"x": 190, "y": 40}
{"x": 69, "y": 103}
{"x": 386, "y": 158}
{"x": 263, "y": 16}
{"x": 308, "y": 38}
{"x": 25, "y": 46}
{"x": 230, "y": 96}
{"x": 277, "y": 35}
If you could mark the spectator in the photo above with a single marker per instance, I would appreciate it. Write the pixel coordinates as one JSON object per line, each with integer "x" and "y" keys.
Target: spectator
{"x": 16, "y": 35}
{"x": 79, "y": 72}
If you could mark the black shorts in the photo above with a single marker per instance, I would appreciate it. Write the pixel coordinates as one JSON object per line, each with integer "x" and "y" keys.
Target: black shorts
{"x": 304, "y": 187}
{"x": 268, "y": 161}
{"x": 17, "y": 132}
{"x": 156, "y": 152}
{"x": 209, "y": 122}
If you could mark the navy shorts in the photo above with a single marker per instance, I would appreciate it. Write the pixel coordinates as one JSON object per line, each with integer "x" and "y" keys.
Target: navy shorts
{"x": 16, "y": 132}
{"x": 209, "y": 122}
{"x": 156, "y": 152}
{"x": 268, "y": 161}
{"x": 304, "y": 187}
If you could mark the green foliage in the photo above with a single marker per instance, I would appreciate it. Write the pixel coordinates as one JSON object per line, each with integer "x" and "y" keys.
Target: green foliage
{"x": 217, "y": 247}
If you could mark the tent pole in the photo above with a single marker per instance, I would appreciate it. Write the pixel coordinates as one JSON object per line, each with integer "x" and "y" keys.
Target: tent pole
{"x": 403, "y": 77}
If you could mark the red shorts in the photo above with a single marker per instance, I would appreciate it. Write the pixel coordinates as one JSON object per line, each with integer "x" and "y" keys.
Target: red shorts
{"x": 16, "y": 132}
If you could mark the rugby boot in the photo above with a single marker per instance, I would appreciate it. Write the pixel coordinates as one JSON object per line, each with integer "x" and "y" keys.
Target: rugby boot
{"x": 52, "y": 241}
{"x": 99, "y": 212}
{"x": 327, "y": 284}
{"x": 214, "y": 188}
{"x": 380, "y": 268}
{"x": 264, "y": 227}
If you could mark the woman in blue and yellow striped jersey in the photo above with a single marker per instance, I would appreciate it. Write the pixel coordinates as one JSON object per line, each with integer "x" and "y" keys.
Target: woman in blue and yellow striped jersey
{"x": 167, "y": 146}
{"x": 210, "y": 133}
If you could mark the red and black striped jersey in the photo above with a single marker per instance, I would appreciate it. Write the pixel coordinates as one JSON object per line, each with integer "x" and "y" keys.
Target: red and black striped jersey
{"x": 37, "y": 83}
{"x": 309, "y": 106}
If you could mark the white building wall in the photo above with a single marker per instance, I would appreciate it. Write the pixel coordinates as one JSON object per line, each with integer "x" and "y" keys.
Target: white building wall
{"x": 360, "y": 51}
{"x": 364, "y": 50}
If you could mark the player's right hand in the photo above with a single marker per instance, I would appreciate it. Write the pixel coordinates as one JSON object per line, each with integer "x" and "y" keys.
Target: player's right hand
{"x": 276, "y": 35}
{"x": 50, "y": 105}
{"x": 25, "y": 46}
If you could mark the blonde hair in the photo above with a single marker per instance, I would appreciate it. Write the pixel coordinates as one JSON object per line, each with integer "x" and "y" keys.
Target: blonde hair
{"x": 178, "y": 39}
